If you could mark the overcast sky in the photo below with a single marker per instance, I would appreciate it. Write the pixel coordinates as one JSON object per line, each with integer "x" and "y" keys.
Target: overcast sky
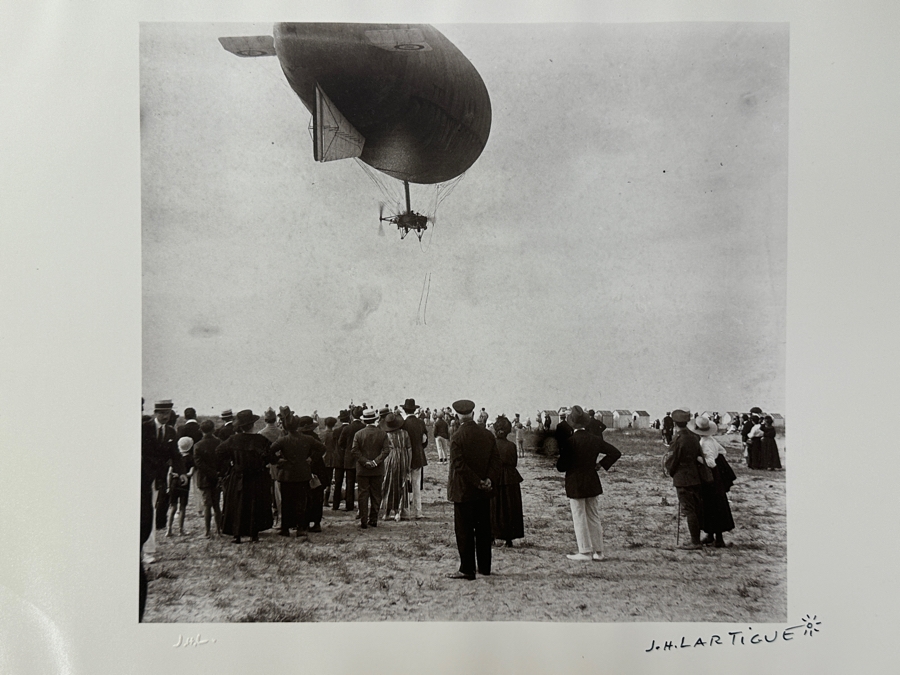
{"x": 619, "y": 244}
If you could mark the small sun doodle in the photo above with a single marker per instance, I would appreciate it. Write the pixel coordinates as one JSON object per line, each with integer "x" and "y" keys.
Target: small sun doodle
{"x": 810, "y": 625}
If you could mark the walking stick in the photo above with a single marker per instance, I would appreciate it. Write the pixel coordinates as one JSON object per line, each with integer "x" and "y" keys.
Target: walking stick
{"x": 678, "y": 524}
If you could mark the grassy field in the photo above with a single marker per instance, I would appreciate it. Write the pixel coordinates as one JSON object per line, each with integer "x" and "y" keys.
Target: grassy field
{"x": 397, "y": 572}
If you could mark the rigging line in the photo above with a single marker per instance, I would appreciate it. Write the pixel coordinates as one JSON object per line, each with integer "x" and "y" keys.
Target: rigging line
{"x": 421, "y": 295}
{"x": 427, "y": 293}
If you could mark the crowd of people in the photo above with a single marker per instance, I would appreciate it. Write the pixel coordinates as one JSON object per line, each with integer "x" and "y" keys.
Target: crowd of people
{"x": 370, "y": 461}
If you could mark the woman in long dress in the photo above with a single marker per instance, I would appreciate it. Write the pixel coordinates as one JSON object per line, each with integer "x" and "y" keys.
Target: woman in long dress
{"x": 716, "y": 517}
{"x": 768, "y": 447}
{"x": 248, "y": 492}
{"x": 507, "y": 519}
{"x": 394, "y": 495}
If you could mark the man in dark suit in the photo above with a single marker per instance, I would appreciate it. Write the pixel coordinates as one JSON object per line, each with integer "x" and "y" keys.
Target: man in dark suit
{"x": 418, "y": 437}
{"x": 578, "y": 458}
{"x": 668, "y": 428}
{"x": 338, "y": 457}
{"x": 369, "y": 450}
{"x": 682, "y": 464}
{"x": 595, "y": 426}
{"x": 159, "y": 448}
{"x": 190, "y": 428}
{"x": 474, "y": 467}
{"x": 346, "y": 444}
{"x": 225, "y": 432}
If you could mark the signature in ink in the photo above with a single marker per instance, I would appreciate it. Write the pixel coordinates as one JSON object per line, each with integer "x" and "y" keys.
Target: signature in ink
{"x": 810, "y": 626}
{"x": 191, "y": 641}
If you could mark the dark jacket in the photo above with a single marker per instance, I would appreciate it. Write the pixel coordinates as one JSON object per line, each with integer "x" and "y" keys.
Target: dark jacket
{"x": 294, "y": 455}
{"x": 206, "y": 462}
{"x": 346, "y": 442}
{"x": 156, "y": 454}
{"x": 473, "y": 457}
{"x": 191, "y": 429}
{"x": 337, "y": 456}
{"x": 317, "y": 454}
{"x": 681, "y": 461}
{"x": 442, "y": 429}
{"x": 509, "y": 458}
{"x": 578, "y": 458}
{"x": 419, "y": 439}
{"x": 370, "y": 443}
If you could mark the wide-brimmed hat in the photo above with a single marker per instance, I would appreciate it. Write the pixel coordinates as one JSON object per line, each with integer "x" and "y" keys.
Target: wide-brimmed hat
{"x": 164, "y": 405}
{"x": 393, "y": 422}
{"x": 330, "y": 421}
{"x": 410, "y": 405}
{"x": 703, "y": 426}
{"x": 356, "y": 411}
{"x": 577, "y": 416}
{"x": 185, "y": 443}
{"x": 756, "y": 409}
{"x": 369, "y": 415}
{"x": 464, "y": 406}
{"x": 245, "y": 417}
{"x": 306, "y": 422}
{"x": 681, "y": 416}
{"x": 227, "y": 415}
{"x": 269, "y": 415}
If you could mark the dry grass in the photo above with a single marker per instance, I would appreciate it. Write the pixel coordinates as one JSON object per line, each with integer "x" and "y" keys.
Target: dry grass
{"x": 397, "y": 571}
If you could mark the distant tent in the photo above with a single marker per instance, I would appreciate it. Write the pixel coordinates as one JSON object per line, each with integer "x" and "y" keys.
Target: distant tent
{"x": 777, "y": 420}
{"x": 730, "y": 418}
{"x": 605, "y": 416}
{"x": 641, "y": 419}
{"x": 621, "y": 419}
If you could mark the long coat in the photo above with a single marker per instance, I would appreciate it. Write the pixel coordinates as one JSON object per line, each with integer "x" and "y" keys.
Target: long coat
{"x": 578, "y": 458}
{"x": 681, "y": 461}
{"x": 248, "y": 496}
{"x": 507, "y": 517}
{"x": 419, "y": 439}
{"x": 473, "y": 457}
{"x": 346, "y": 442}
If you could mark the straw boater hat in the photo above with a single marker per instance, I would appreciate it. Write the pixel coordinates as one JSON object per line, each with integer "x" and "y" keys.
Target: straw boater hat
{"x": 185, "y": 443}
{"x": 370, "y": 415}
{"x": 164, "y": 405}
{"x": 702, "y": 426}
{"x": 393, "y": 422}
{"x": 227, "y": 415}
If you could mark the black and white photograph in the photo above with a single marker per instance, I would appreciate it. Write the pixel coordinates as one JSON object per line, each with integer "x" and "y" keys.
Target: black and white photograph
{"x": 543, "y": 234}
{"x": 469, "y": 337}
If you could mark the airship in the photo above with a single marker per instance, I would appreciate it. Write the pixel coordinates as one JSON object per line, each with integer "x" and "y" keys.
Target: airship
{"x": 402, "y": 99}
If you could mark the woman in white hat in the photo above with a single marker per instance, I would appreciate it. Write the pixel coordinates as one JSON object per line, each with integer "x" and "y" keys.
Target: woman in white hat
{"x": 716, "y": 517}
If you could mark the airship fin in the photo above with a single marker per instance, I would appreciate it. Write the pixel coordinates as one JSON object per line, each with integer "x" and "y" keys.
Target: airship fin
{"x": 249, "y": 46}
{"x": 335, "y": 138}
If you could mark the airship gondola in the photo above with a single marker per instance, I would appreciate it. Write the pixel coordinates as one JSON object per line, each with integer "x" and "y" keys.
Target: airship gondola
{"x": 402, "y": 99}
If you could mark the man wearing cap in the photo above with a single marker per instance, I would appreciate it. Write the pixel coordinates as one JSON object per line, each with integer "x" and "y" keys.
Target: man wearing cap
{"x": 345, "y": 443}
{"x": 681, "y": 463}
{"x": 369, "y": 450}
{"x": 224, "y": 432}
{"x": 578, "y": 458}
{"x": 474, "y": 466}
{"x": 418, "y": 437}
{"x": 158, "y": 449}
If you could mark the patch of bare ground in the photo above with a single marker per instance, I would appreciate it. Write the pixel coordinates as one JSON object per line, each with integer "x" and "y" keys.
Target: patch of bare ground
{"x": 398, "y": 571}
